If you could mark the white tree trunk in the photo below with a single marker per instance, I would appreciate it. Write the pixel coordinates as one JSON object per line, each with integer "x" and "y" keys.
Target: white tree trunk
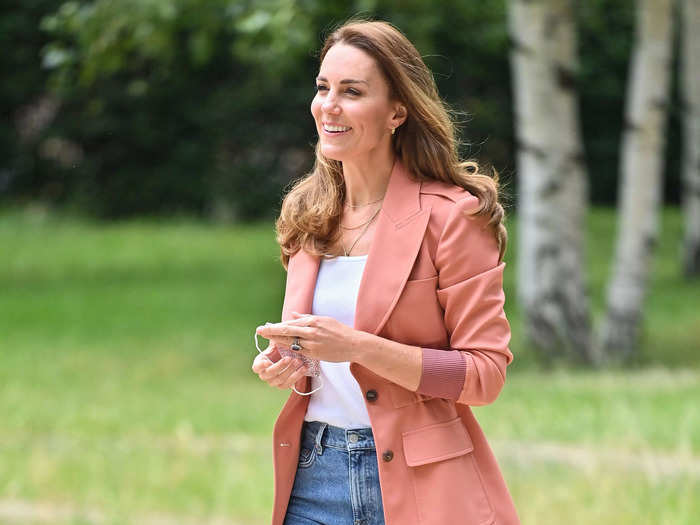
{"x": 690, "y": 92}
{"x": 552, "y": 179}
{"x": 640, "y": 178}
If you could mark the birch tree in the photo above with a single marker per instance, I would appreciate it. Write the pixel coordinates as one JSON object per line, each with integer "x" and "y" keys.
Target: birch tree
{"x": 552, "y": 179}
{"x": 690, "y": 92}
{"x": 640, "y": 188}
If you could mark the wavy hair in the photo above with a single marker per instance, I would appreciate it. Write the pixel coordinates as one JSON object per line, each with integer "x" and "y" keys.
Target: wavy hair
{"x": 426, "y": 144}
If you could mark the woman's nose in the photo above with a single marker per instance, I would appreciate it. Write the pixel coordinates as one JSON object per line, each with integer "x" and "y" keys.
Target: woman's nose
{"x": 330, "y": 105}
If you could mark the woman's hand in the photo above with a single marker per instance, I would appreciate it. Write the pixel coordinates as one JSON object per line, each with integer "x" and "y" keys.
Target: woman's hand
{"x": 320, "y": 337}
{"x": 282, "y": 374}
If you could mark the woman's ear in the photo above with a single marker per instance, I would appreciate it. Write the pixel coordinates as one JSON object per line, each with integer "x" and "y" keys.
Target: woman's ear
{"x": 399, "y": 115}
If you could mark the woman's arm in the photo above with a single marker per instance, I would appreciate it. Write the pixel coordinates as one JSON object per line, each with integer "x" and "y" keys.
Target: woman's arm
{"x": 397, "y": 362}
{"x": 470, "y": 291}
{"x": 426, "y": 370}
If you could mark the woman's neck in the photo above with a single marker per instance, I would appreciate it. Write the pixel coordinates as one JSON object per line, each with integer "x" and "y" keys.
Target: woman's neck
{"x": 366, "y": 180}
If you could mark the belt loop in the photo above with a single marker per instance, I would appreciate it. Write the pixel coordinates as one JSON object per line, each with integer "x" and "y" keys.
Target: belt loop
{"x": 319, "y": 448}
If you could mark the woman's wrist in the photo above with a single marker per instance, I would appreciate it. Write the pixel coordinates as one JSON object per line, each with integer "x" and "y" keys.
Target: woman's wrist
{"x": 399, "y": 363}
{"x": 360, "y": 347}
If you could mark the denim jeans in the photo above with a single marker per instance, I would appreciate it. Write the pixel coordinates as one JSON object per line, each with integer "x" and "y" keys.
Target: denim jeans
{"x": 337, "y": 479}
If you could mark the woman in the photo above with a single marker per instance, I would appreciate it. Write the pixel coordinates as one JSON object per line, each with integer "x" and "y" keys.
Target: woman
{"x": 393, "y": 250}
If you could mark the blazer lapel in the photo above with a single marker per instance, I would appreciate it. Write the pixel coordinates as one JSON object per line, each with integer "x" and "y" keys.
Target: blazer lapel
{"x": 397, "y": 239}
{"x": 393, "y": 251}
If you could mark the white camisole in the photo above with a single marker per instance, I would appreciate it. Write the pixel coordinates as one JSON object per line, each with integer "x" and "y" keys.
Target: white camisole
{"x": 340, "y": 402}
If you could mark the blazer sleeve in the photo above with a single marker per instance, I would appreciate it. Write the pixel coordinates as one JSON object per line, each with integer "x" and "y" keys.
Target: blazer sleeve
{"x": 470, "y": 291}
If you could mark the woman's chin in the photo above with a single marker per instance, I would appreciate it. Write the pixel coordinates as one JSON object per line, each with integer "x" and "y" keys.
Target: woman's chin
{"x": 332, "y": 153}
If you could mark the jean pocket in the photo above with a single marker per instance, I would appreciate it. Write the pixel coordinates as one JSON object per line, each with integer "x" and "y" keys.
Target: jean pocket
{"x": 306, "y": 456}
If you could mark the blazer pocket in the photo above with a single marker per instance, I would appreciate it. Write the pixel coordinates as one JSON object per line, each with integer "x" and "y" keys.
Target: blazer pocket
{"x": 436, "y": 442}
{"x": 446, "y": 479}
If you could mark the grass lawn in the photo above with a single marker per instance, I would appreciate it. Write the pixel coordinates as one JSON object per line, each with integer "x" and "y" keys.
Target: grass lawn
{"x": 126, "y": 392}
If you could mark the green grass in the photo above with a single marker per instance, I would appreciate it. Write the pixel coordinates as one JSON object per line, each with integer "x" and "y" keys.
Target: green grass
{"x": 670, "y": 333}
{"x": 125, "y": 381}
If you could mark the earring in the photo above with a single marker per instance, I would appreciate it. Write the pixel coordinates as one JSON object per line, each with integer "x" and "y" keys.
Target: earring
{"x": 393, "y": 130}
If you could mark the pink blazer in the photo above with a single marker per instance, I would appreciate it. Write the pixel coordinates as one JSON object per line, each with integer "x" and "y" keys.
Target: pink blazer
{"x": 432, "y": 279}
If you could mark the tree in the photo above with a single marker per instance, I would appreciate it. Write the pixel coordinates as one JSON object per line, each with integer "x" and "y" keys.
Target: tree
{"x": 690, "y": 82}
{"x": 552, "y": 178}
{"x": 640, "y": 177}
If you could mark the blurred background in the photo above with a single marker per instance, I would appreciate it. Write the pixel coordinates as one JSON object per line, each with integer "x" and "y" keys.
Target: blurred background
{"x": 145, "y": 147}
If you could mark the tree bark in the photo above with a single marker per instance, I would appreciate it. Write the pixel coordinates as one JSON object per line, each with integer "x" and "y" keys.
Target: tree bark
{"x": 552, "y": 178}
{"x": 690, "y": 93}
{"x": 641, "y": 176}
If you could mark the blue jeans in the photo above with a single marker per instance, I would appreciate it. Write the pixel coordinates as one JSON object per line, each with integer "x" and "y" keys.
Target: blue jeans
{"x": 337, "y": 479}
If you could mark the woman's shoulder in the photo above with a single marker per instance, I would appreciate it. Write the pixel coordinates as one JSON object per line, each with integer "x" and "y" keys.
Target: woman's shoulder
{"x": 445, "y": 194}
{"x": 449, "y": 204}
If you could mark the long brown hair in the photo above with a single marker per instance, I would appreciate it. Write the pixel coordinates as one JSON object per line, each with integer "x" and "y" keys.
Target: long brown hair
{"x": 426, "y": 144}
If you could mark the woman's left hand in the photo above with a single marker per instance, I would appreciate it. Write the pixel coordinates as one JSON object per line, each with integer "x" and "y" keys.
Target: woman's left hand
{"x": 320, "y": 337}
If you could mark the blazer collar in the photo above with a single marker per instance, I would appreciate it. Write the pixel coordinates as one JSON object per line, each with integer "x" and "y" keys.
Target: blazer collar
{"x": 397, "y": 238}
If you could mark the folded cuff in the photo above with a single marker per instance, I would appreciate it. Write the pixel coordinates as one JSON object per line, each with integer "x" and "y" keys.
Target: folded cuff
{"x": 444, "y": 373}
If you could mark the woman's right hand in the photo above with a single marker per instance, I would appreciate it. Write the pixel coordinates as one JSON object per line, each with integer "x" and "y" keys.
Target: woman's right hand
{"x": 281, "y": 373}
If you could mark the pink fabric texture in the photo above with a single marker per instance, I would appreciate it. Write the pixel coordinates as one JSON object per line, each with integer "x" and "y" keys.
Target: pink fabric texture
{"x": 444, "y": 373}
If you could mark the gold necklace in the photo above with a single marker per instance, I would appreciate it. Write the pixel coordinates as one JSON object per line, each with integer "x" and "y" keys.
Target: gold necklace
{"x": 365, "y": 204}
{"x": 358, "y": 226}
{"x": 347, "y": 252}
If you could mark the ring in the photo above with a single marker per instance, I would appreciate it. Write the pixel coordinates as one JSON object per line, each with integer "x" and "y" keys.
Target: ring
{"x": 295, "y": 345}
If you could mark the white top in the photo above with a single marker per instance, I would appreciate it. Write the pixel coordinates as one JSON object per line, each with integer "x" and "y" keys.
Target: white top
{"x": 340, "y": 402}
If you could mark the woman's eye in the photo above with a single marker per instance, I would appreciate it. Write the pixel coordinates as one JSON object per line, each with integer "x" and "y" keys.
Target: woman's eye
{"x": 350, "y": 91}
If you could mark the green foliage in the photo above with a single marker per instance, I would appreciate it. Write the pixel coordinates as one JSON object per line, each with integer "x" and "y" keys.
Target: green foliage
{"x": 21, "y": 168}
{"x": 203, "y": 105}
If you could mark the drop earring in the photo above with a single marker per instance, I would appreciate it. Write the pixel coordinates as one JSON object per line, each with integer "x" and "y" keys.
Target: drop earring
{"x": 393, "y": 130}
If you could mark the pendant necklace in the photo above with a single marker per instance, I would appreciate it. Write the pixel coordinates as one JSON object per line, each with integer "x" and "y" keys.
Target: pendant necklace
{"x": 347, "y": 252}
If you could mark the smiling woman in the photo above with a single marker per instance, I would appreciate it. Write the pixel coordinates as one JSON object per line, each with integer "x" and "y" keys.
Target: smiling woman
{"x": 358, "y": 109}
{"x": 393, "y": 248}
{"x": 355, "y": 118}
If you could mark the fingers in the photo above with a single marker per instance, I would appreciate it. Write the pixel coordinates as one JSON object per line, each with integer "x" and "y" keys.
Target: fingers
{"x": 260, "y": 363}
{"x": 301, "y": 320}
{"x": 294, "y": 377}
{"x": 283, "y": 373}
{"x": 284, "y": 341}
{"x": 272, "y": 352}
{"x": 267, "y": 357}
{"x": 285, "y": 330}
{"x": 271, "y": 367}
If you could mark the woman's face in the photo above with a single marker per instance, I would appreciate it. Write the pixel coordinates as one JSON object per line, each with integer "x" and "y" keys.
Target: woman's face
{"x": 352, "y": 109}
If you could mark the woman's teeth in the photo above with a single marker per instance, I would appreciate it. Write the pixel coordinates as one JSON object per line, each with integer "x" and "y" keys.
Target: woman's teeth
{"x": 335, "y": 129}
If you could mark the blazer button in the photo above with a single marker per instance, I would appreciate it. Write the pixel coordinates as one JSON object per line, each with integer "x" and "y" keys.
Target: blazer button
{"x": 388, "y": 455}
{"x": 371, "y": 395}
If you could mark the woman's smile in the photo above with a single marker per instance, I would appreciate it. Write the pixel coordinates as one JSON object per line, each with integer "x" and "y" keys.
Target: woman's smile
{"x": 335, "y": 130}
